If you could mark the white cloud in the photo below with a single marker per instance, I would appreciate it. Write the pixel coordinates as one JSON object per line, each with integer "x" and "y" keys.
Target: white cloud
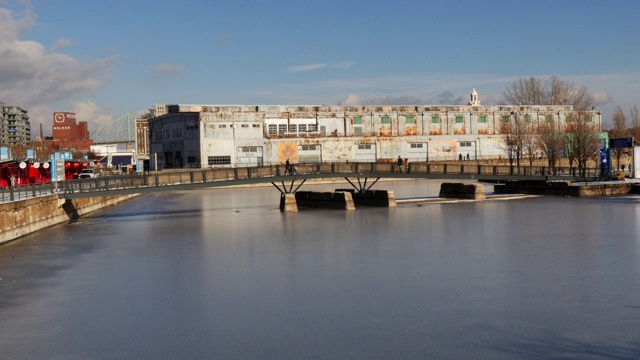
{"x": 166, "y": 70}
{"x": 312, "y": 67}
{"x": 15, "y": 28}
{"x": 308, "y": 67}
{"x": 343, "y": 65}
{"x": 95, "y": 115}
{"x": 601, "y": 97}
{"x": 394, "y": 100}
{"x": 33, "y": 79}
{"x": 350, "y": 100}
{"x": 61, "y": 43}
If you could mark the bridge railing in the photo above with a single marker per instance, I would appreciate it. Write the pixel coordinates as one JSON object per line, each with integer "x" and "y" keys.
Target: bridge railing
{"x": 22, "y": 192}
{"x": 346, "y": 169}
{"x": 194, "y": 176}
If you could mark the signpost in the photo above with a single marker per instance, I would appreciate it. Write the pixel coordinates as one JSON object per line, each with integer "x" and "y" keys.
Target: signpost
{"x": 605, "y": 162}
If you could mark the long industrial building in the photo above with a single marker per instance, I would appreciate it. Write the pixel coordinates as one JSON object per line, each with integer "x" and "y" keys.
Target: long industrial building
{"x": 243, "y": 135}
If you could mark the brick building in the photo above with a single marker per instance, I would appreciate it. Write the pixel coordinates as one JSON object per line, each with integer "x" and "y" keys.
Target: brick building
{"x": 67, "y": 133}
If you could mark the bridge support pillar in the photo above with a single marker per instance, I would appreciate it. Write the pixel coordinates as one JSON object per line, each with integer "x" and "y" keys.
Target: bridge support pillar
{"x": 288, "y": 203}
{"x": 325, "y": 200}
{"x": 378, "y": 198}
{"x": 462, "y": 191}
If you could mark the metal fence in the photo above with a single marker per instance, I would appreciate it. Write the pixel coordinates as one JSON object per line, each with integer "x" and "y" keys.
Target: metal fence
{"x": 22, "y": 192}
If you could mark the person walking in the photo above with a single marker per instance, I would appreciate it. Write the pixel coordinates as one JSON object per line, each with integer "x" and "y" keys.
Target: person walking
{"x": 287, "y": 167}
{"x": 399, "y": 164}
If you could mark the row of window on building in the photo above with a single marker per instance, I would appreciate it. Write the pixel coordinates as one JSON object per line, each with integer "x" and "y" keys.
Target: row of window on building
{"x": 275, "y": 129}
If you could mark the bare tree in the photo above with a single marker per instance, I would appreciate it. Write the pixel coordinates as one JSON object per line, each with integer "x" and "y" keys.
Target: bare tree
{"x": 515, "y": 132}
{"x": 552, "y": 139}
{"x": 510, "y": 143}
{"x": 563, "y": 92}
{"x": 554, "y": 91}
{"x": 582, "y": 140}
{"x": 635, "y": 123}
{"x": 619, "y": 130}
{"x": 525, "y": 91}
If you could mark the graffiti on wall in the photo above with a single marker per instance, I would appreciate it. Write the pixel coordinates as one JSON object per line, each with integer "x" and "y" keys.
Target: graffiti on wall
{"x": 443, "y": 148}
{"x": 337, "y": 151}
{"x": 287, "y": 151}
{"x": 391, "y": 149}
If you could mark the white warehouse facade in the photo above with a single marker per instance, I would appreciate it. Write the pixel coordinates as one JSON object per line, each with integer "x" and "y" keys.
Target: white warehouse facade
{"x": 242, "y": 135}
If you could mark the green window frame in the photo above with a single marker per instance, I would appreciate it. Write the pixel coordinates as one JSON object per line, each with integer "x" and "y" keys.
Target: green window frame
{"x": 506, "y": 118}
{"x": 357, "y": 120}
{"x": 385, "y": 120}
{"x": 410, "y": 120}
{"x": 568, "y": 118}
{"x": 548, "y": 118}
{"x": 482, "y": 119}
{"x": 459, "y": 119}
{"x": 435, "y": 119}
{"x": 589, "y": 118}
{"x": 527, "y": 118}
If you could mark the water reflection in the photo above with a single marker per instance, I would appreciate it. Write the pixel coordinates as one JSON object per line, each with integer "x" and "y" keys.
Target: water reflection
{"x": 223, "y": 274}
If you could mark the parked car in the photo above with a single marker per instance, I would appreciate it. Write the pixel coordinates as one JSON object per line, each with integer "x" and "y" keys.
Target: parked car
{"x": 88, "y": 174}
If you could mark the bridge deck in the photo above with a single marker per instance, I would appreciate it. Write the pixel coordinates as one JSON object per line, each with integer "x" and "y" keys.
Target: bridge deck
{"x": 202, "y": 178}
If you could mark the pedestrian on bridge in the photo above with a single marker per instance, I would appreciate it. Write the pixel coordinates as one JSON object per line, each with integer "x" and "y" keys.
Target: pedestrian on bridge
{"x": 287, "y": 167}
{"x": 399, "y": 164}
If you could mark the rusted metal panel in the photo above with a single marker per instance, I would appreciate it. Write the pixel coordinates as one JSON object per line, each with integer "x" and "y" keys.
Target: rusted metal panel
{"x": 411, "y": 129}
{"x": 384, "y": 131}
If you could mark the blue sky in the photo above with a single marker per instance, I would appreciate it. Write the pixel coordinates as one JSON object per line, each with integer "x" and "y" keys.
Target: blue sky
{"x": 103, "y": 59}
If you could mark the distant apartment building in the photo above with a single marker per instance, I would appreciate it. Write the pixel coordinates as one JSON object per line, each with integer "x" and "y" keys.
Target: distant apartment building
{"x": 159, "y": 110}
{"x": 15, "y": 127}
{"x": 255, "y": 135}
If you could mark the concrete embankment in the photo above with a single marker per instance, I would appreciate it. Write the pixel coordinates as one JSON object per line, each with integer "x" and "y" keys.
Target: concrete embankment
{"x": 20, "y": 218}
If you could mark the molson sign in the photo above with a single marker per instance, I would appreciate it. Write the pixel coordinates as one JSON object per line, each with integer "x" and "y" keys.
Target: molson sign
{"x": 62, "y": 117}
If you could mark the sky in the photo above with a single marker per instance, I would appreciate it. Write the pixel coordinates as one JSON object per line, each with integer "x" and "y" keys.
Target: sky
{"x": 105, "y": 59}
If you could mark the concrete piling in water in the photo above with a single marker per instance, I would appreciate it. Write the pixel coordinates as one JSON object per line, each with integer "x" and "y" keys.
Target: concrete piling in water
{"x": 288, "y": 203}
{"x": 462, "y": 191}
{"x": 325, "y": 200}
{"x": 345, "y": 199}
{"x": 377, "y": 198}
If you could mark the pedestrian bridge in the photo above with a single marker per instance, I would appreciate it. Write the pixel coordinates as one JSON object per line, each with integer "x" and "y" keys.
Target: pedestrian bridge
{"x": 362, "y": 176}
